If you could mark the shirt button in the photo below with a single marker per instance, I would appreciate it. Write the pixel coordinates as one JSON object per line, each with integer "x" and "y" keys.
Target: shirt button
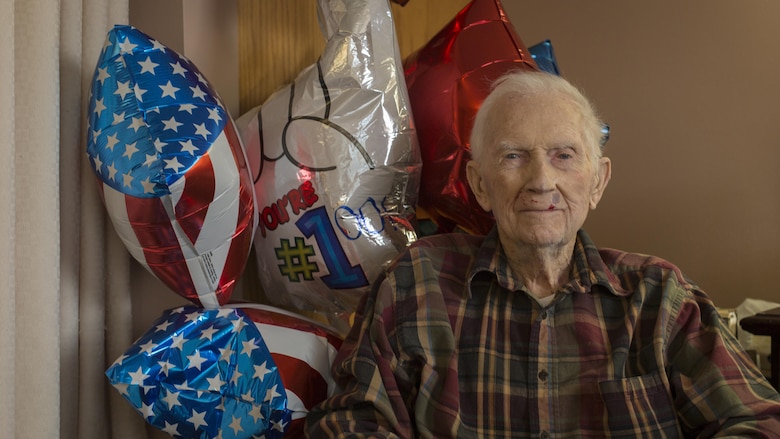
{"x": 544, "y": 435}
{"x": 544, "y": 315}
{"x": 542, "y": 376}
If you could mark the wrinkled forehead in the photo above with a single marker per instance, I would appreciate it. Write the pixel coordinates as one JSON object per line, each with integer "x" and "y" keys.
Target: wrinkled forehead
{"x": 547, "y": 109}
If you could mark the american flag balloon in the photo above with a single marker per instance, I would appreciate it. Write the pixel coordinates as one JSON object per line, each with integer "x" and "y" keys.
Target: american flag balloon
{"x": 303, "y": 351}
{"x": 171, "y": 168}
{"x": 204, "y": 374}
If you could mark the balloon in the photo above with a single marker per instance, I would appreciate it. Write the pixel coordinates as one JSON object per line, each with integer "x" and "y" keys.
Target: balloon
{"x": 203, "y": 374}
{"x": 448, "y": 78}
{"x": 303, "y": 351}
{"x": 544, "y": 57}
{"x": 336, "y": 166}
{"x": 170, "y": 167}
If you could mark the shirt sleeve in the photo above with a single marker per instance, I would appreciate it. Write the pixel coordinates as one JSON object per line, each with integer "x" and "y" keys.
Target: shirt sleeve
{"x": 372, "y": 382}
{"x": 717, "y": 388}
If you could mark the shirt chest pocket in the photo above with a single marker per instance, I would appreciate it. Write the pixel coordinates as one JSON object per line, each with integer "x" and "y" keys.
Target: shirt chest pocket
{"x": 639, "y": 407}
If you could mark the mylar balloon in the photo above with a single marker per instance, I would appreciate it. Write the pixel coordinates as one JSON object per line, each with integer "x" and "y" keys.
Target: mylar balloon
{"x": 544, "y": 56}
{"x": 448, "y": 78}
{"x": 303, "y": 351}
{"x": 170, "y": 166}
{"x": 336, "y": 165}
{"x": 204, "y": 374}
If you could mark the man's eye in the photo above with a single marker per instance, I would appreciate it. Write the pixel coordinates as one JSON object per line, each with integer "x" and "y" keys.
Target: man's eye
{"x": 565, "y": 156}
{"x": 512, "y": 156}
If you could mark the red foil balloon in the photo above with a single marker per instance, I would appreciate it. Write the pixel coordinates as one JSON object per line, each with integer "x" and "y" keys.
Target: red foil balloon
{"x": 448, "y": 79}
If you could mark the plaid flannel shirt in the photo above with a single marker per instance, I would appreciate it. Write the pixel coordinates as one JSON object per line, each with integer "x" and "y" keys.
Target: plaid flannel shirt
{"x": 450, "y": 344}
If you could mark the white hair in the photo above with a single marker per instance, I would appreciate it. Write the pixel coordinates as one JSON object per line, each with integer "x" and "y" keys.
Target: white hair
{"x": 528, "y": 83}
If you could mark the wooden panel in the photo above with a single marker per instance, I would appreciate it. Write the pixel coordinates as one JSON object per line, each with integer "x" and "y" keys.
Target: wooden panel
{"x": 279, "y": 38}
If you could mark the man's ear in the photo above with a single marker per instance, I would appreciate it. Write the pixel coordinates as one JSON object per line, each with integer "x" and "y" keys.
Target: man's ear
{"x": 477, "y": 184}
{"x": 603, "y": 174}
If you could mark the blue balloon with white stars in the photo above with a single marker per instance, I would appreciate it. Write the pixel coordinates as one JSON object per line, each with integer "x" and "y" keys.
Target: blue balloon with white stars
{"x": 200, "y": 373}
{"x": 152, "y": 114}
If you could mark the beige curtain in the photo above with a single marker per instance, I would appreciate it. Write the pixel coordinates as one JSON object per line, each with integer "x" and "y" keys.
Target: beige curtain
{"x": 65, "y": 310}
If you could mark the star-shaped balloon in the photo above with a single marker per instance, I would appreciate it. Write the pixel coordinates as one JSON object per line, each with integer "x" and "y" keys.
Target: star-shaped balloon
{"x": 448, "y": 78}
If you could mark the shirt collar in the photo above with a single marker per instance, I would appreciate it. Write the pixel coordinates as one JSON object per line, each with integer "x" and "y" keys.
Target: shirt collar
{"x": 587, "y": 269}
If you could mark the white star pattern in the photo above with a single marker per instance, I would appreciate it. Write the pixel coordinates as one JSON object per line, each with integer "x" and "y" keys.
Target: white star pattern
{"x": 169, "y": 90}
{"x": 102, "y": 74}
{"x": 225, "y": 313}
{"x": 111, "y": 141}
{"x": 256, "y": 413}
{"x": 214, "y": 115}
{"x": 137, "y": 123}
{"x": 150, "y": 160}
{"x": 162, "y": 327}
{"x": 271, "y": 393}
{"x": 236, "y": 377}
{"x": 123, "y": 89}
{"x": 200, "y": 129}
{"x": 195, "y": 360}
{"x": 215, "y": 382}
{"x": 198, "y": 419}
{"x": 126, "y": 46}
{"x": 172, "y": 124}
{"x": 98, "y": 163}
{"x": 119, "y": 118}
{"x": 121, "y": 359}
{"x": 198, "y": 92}
{"x": 148, "y": 186}
{"x": 177, "y": 341}
{"x": 139, "y": 93}
{"x": 130, "y": 149}
{"x": 147, "y": 410}
{"x": 171, "y": 399}
{"x": 178, "y": 69}
{"x": 138, "y": 377}
{"x": 156, "y": 45}
{"x": 166, "y": 366}
{"x": 208, "y": 333}
{"x": 187, "y": 107}
{"x": 173, "y": 164}
{"x": 122, "y": 388}
{"x": 279, "y": 426}
{"x": 236, "y": 425}
{"x": 171, "y": 429}
{"x": 249, "y": 346}
{"x": 127, "y": 180}
{"x": 225, "y": 353}
{"x": 238, "y": 325}
{"x": 99, "y": 106}
{"x": 261, "y": 371}
{"x": 111, "y": 171}
{"x": 192, "y": 317}
{"x": 148, "y": 66}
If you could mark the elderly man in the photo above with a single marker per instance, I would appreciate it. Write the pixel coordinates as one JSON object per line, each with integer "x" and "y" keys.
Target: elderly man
{"x": 532, "y": 331}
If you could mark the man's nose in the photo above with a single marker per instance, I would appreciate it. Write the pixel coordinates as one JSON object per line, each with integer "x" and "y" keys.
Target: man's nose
{"x": 541, "y": 176}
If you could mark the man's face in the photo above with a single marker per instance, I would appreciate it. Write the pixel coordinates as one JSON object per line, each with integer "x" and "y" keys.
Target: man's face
{"x": 536, "y": 172}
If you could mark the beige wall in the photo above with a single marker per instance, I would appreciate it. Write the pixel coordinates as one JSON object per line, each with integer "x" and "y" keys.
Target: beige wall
{"x": 689, "y": 89}
{"x": 691, "y": 92}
